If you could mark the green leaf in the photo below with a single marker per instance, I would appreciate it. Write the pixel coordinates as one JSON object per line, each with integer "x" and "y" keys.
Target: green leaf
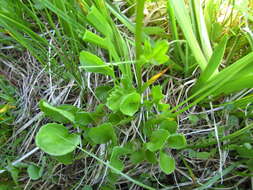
{"x": 157, "y": 94}
{"x": 117, "y": 152}
{"x": 233, "y": 121}
{"x": 34, "y": 172}
{"x": 65, "y": 159}
{"x": 83, "y": 118}
{"x": 167, "y": 163}
{"x": 138, "y": 156}
{"x": 177, "y": 141}
{"x": 201, "y": 26}
{"x": 95, "y": 39}
{"x": 57, "y": 113}
{"x": 14, "y": 171}
{"x": 214, "y": 61}
{"x": 169, "y": 125}
{"x": 250, "y": 164}
{"x": 102, "y": 92}
{"x": 184, "y": 22}
{"x": 114, "y": 99}
{"x": 151, "y": 157}
{"x": 130, "y": 104}
{"x": 199, "y": 155}
{"x": 92, "y": 63}
{"x": 102, "y": 134}
{"x": 99, "y": 21}
{"x": 162, "y": 107}
{"x": 157, "y": 140}
{"x": 245, "y": 150}
{"x": 157, "y": 54}
{"x": 193, "y": 119}
{"x": 55, "y": 140}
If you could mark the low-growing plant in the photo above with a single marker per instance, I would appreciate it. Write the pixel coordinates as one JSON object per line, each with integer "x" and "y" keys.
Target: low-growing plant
{"x": 125, "y": 99}
{"x": 87, "y": 32}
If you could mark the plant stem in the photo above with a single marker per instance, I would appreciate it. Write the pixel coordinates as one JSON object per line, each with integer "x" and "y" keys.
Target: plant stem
{"x": 116, "y": 170}
{"x": 138, "y": 39}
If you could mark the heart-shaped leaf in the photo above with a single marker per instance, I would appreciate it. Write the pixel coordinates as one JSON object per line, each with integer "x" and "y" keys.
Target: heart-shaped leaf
{"x": 55, "y": 140}
{"x": 57, "y": 113}
{"x": 177, "y": 141}
{"x": 167, "y": 163}
{"x": 157, "y": 140}
{"x": 102, "y": 134}
{"x": 92, "y": 63}
{"x": 130, "y": 104}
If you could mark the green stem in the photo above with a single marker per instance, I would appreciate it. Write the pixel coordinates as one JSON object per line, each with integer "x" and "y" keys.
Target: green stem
{"x": 138, "y": 40}
{"x": 228, "y": 137}
{"x": 116, "y": 170}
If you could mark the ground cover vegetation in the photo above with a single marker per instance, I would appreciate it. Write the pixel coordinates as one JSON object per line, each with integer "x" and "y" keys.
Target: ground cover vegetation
{"x": 99, "y": 94}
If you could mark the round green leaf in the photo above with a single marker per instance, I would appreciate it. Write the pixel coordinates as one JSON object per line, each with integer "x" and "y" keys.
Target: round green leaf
{"x": 167, "y": 163}
{"x": 55, "y": 140}
{"x": 177, "y": 141}
{"x": 34, "y": 172}
{"x": 130, "y": 104}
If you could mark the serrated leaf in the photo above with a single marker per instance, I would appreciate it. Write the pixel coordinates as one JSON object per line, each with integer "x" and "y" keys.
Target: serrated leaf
{"x": 130, "y": 103}
{"x": 167, "y": 163}
{"x": 177, "y": 141}
{"x": 102, "y": 134}
{"x": 57, "y": 113}
{"x": 114, "y": 99}
{"x": 55, "y": 140}
{"x": 92, "y": 63}
{"x": 157, "y": 53}
{"x": 157, "y": 140}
